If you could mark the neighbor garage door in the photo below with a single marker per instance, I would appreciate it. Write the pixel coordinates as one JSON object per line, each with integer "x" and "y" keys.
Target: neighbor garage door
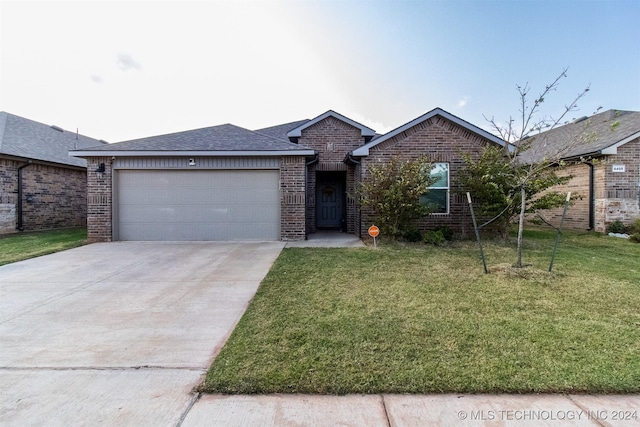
{"x": 198, "y": 205}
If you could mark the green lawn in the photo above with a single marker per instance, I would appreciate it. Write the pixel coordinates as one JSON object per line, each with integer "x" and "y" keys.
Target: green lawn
{"x": 423, "y": 319}
{"x": 23, "y": 246}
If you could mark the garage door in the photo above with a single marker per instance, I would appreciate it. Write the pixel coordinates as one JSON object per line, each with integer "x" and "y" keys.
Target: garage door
{"x": 198, "y": 205}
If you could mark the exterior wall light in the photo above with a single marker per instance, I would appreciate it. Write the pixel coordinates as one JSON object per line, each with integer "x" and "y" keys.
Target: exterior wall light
{"x": 100, "y": 171}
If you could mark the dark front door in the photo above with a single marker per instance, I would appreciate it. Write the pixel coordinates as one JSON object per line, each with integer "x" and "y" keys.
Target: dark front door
{"x": 330, "y": 201}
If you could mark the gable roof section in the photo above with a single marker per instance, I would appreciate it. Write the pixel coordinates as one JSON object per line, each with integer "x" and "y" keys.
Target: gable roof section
{"x": 28, "y": 139}
{"x": 364, "y": 130}
{"x": 603, "y": 133}
{"x": 280, "y": 131}
{"x": 364, "y": 150}
{"x": 222, "y": 140}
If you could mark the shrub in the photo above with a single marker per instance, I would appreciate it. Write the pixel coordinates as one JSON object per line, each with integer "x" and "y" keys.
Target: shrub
{"x": 634, "y": 230}
{"x": 616, "y": 227}
{"x": 392, "y": 193}
{"x": 446, "y": 232}
{"x": 412, "y": 235}
{"x": 433, "y": 237}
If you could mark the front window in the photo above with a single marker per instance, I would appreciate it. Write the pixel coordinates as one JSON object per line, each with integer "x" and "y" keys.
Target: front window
{"x": 438, "y": 195}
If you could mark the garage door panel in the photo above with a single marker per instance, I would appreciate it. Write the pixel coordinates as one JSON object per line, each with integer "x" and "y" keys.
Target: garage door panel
{"x": 198, "y": 205}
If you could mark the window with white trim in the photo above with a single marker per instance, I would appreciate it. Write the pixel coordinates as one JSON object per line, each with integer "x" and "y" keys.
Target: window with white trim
{"x": 438, "y": 195}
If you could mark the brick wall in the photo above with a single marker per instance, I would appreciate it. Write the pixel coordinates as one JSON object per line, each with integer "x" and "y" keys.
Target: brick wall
{"x": 99, "y": 200}
{"x": 53, "y": 197}
{"x": 292, "y": 198}
{"x": 8, "y": 195}
{"x": 333, "y": 139}
{"x": 616, "y": 194}
{"x": 578, "y": 212}
{"x": 310, "y": 210}
{"x": 620, "y": 198}
{"x": 441, "y": 140}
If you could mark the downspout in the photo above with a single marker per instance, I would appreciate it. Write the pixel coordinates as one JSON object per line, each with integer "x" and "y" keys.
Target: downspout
{"x": 20, "y": 226}
{"x": 592, "y": 198}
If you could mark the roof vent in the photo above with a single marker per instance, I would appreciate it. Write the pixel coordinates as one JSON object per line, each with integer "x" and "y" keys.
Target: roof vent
{"x": 580, "y": 119}
{"x": 58, "y": 128}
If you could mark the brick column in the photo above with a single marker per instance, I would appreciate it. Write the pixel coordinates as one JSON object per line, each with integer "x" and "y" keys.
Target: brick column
{"x": 99, "y": 200}
{"x": 292, "y": 198}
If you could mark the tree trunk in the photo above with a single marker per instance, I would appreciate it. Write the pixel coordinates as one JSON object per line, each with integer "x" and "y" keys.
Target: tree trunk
{"x": 523, "y": 208}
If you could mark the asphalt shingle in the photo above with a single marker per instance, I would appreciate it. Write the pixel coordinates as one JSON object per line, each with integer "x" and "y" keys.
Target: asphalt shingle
{"x": 225, "y": 137}
{"x": 29, "y": 139}
{"x": 585, "y": 137}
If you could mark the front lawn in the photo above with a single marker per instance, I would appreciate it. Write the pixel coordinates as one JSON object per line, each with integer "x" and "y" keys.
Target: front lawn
{"x": 23, "y": 246}
{"x": 423, "y": 319}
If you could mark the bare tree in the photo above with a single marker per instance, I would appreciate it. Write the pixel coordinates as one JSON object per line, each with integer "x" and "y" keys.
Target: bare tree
{"x": 530, "y": 157}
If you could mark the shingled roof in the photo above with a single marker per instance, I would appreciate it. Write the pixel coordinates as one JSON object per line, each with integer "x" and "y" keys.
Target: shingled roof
{"x": 597, "y": 135}
{"x": 224, "y": 139}
{"x": 280, "y": 131}
{"x": 28, "y": 139}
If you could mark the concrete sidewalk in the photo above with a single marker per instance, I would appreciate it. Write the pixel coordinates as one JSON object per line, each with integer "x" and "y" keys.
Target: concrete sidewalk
{"x": 328, "y": 239}
{"x": 415, "y": 410}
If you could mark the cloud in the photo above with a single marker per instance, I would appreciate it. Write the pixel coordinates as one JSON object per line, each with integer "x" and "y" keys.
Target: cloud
{"x": 96, "y": 79}
{"x": 126, "y": 62}
{"x": 462, "y": 102}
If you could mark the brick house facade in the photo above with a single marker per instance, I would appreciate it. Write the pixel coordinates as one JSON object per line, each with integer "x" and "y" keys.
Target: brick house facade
{"x": 441, "y": 137}
{"x": 605, "y": 170}
{"x": 41, "y": 187}
{"x": 320, "y": 163}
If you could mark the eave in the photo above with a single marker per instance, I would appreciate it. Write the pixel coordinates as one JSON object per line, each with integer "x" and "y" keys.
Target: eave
{"x": 124, "y": 153}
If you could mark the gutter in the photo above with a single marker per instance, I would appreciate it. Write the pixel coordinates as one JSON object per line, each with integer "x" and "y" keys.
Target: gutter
{"x": 351, "y": 159}
{"x": 194, "y": 153}
{"x": 20, "y": 226}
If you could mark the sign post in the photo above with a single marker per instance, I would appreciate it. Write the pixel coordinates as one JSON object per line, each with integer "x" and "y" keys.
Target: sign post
{"x": 374, "y": 232}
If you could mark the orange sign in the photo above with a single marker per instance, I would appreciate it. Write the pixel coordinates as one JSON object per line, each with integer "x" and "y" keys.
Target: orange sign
{"x": 374, "y": 231}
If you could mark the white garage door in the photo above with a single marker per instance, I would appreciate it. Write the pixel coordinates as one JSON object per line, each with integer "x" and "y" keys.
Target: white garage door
{"x": 198, "y": 205}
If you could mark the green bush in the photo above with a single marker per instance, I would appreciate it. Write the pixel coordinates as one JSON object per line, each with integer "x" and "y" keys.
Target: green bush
{"x": 634, "y": 230}
{"x": 433, "y": 237}
{"x": 446, "y": 232}
{"x": 616, "y": 227}
{"x": 412, "y": 235}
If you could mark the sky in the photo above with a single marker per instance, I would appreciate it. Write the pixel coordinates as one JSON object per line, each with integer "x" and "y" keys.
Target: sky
{"x": 117, "y": 70}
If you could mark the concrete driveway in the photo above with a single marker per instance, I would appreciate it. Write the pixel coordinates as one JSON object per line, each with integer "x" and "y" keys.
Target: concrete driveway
{"x": 119, "y": 333}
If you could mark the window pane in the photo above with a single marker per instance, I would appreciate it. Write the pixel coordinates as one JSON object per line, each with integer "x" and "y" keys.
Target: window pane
{"x": 437, "y": 199}
{"x": 441, "y": 172}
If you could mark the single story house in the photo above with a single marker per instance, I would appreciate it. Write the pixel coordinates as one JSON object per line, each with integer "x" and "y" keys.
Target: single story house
{"x": 278, "y": 183}
{"x": 603, "y": 156}
{"x": 41, "y": 186}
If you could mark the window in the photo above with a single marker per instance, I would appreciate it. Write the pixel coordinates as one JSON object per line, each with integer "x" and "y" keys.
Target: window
{"x": 438, "y": 195}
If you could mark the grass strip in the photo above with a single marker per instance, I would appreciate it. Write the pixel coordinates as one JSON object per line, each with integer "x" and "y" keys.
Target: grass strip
{"x": 18, "y": 247}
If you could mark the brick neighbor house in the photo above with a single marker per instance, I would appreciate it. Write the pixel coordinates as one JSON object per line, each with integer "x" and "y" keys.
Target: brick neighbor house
{"x": 607, "y": 174}
{"x": 278, "y": 183}
{"x": 41, "y": 186}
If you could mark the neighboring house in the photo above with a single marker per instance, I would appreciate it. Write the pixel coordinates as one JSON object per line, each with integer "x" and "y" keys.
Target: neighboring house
{"x": 41, "y": 186}
{"x": 607, "y": 171}
{"x": 278, "y": 183}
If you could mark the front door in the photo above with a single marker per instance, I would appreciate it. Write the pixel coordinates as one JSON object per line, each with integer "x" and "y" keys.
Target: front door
{"x": 330, "y": 201}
